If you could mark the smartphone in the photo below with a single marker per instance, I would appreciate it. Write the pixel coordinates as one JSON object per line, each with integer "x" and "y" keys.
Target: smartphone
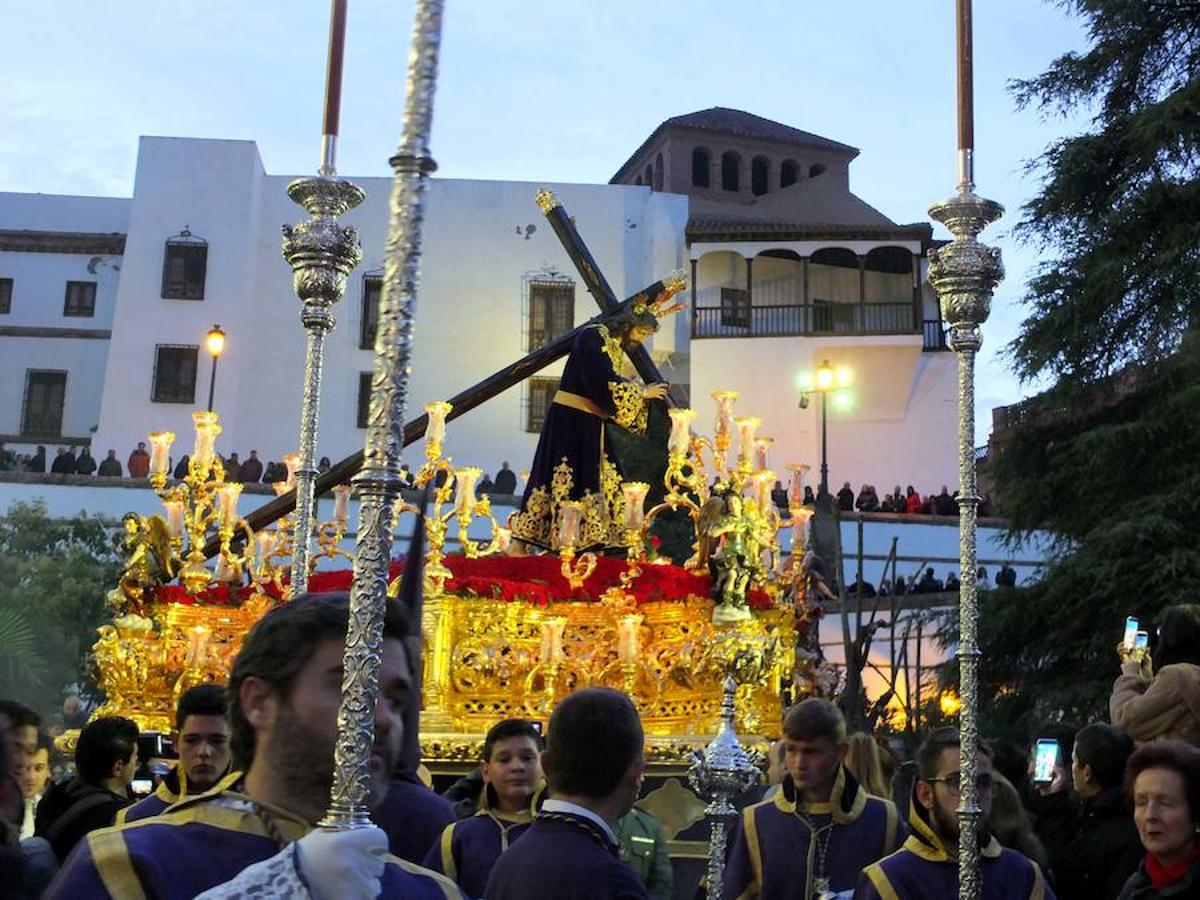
{"x": 1044, "y": 760}
{"x": 1131, "y": 631}
{"x": 1142, "y": 641}
{"x": 141, "y": 786}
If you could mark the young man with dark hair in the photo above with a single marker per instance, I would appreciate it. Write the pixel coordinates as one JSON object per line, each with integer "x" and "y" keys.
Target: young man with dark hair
{"x": 1104, "y": 849}
{"x": 512, "y": 781}
{"x": 594, "y": 760}
{"x": 34, "y": 779}
{"x": 926, "y": 867}
{"x": 105, "y": 759}
{"x": 284, "y": 695}
{"x": 815, "y": 836}
{"x": 202, "y": 740}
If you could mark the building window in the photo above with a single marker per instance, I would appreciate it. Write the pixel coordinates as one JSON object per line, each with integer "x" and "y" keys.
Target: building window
{"x": 541, "y": 394}
{"x": 700, "y": 164}
{"x": 81, "y": 299}
{"x": 551, "y": 310}
{"x": 45, "y": 395}
{"x": 730, "y": 164}
{"x": 789, "y": 173}
{"x": 372, "y": 290}
{"x": 815, "y": 169}
{"x": 364, "y": 399}
{"x": 175, "y": 373}
{"x": 650, "y": 176}
{"x": 759, "y": 168}
{"x": 735, "y": 307}
{"x": 5, "y": 296}
{"x": 185, "y": 263}
{"x": 658, "y": 172}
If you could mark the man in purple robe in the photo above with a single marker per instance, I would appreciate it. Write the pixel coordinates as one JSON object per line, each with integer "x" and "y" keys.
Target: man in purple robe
{"x": 817, "y": 834}
{"x": 284, "y": 694}
{"x": 926, "y": 867}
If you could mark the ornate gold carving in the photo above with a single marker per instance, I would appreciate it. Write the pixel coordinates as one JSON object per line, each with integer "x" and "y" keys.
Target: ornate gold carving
{"x": 675, "y": 807}
{"x": 546, "y": 200}
{"x": 631, "y": 405}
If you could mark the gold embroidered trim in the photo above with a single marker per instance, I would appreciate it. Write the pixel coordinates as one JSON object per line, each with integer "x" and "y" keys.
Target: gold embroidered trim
{"x": 631, "y": 406}
{"x": 612, "y": 349}
{"x": 602, "y": 511}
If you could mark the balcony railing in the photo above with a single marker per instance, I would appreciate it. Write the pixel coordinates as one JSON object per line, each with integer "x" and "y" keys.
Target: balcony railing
{"x": 740, "y": 320}
{"x": 935, "y": 335}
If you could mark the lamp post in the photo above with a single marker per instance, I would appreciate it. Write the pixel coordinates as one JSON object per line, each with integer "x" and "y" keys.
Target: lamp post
{"x": 824, "y": 381}
{"x": 214, "y": 343}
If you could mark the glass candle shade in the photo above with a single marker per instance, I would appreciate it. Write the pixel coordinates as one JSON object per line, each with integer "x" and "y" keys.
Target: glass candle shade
{"x": 628, "y": 638}
{"x": 724, "y": 400}
{"x": 681, "y": 436}
{"x": 796, "y": 486}
{"x": 635, "y": 500}
{"x": 341, "y": 504}
{"x": 762, "y": 446}
{"x": 227, "y": 503}
{"x": 266, "y": 546}
{"x": 292, "y": 462}
{"x": 280, "y": 488}
{"x": 160, "y": 451}
{"x": 503, "y": 539}
{"x": 175, "y": 518}
{"x": 747, "y": 426}
{"x": 207, "y": 429}
{"x": 570, "y": 520}
{"x": 551, "y": 653}
{"x": 464, "y": 483}
{"x": 435, "y": 431}
{"x": 763, "y": 483}
{"x": 225, "y": 571}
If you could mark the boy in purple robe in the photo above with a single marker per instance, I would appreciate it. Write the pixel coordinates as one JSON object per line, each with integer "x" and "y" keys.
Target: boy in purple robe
{"x": 926, "y": 867}
{"x": 821, "y": 829}
{"x": 284, "y": 690}
{"x": 512, "y": 781}
{"x": 594, "y": 763}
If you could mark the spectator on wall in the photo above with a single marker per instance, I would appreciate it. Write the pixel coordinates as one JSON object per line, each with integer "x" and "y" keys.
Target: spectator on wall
{"x": 251, "y": 470}
{"x": 86, "y": 464}
{"x": 506, "y": 480}
{"x": 912, "y": 501}
{"x": 1007, "y": 576}
{"x": 845, "y": 497}
{"x": 139, "y": 462}
{"x": 110, "y": 466}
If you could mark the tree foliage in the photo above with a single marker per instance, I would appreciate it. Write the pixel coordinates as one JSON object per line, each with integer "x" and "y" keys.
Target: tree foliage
{"x": 55, "y": 576}
{"x": 1108, "y": 459}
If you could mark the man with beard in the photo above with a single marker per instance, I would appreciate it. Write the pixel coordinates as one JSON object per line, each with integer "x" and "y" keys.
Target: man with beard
{"x": 926, "y": 867}
{"x": 202, "y": 739}
{"x": 815, "y": 836}
{"x": 284, "y": 694}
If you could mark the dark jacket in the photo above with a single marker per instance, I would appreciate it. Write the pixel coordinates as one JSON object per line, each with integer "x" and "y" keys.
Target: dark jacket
{"x": 71, "y": 809}
{"x": 845, "y": 499}
{"x": 506, "y": 482}
{"x": 86, "y": 464}
{"x": 413, "y": 817}
{"x": 1138, "y": 886}
{"x": 1104, "y": 850}
{"x": 110, "y": 468}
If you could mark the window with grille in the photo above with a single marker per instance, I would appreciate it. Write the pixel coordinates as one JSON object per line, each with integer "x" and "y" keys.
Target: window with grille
{"x": 45, "y": 395}
{"x": 735, "y": 307}
{"x": 81, "y": 299}
{"x": 185, "y": 264}
{"x": 364, "y": 398}
{"x": 541, "y": 394}
{"x": 5, "y": 296}
{"x": 175, "y": 373}
{"x": 372, "y": 290}
{"x": 551, "y": 311}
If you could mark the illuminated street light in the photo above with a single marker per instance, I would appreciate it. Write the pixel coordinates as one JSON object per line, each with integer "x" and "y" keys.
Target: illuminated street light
{"x": 214, "y": 343}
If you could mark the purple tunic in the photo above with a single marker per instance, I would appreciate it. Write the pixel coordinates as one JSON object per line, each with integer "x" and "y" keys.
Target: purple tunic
{"x": 469, "y": 848}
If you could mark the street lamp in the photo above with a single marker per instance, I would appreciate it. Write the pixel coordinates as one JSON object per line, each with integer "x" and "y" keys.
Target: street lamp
{"x": 214, "y": 342}
{"x": 825, "y": 380}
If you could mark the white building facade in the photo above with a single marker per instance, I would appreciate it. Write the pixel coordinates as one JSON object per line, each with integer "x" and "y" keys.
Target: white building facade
{"x": 789, "y": 269}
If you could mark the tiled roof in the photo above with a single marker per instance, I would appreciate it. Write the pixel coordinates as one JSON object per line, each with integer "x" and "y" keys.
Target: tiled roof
{"x": 713, "y": 228}
{"x": 739, "y": 123}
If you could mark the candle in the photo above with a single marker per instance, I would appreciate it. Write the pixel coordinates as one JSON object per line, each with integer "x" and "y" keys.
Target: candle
{"x": 175, "y": 519}
{"x": 762, "y": 489}
{"x": 266, "y": 546}
{"x": 570, "y": 518}
{"x": 436, "y": 430}
{"x": 292, "y": 462}
{"x": 160, "y": 451}
{"x": 552, "y": 635}
{"x": 796, "y": 487}
{"x": 746, "y": 426}
{"x": 227, "y": 501}
{"x": 628, "y": 633}
{"x": 464, "y": 482}
{"x": 761, "y": 446}
{"x": 207, "y": 430}
{"x": 225, "y": 571}
{"x": 724, "y": 411}
{"x": 341, "y": 504}
{"x": 681, "y": 436}
{"x": 635, "y": 499}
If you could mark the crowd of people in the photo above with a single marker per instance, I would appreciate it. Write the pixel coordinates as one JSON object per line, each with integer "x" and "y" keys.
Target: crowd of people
{"x": 1111, "y": 811}
{"x": 910, "y": 502}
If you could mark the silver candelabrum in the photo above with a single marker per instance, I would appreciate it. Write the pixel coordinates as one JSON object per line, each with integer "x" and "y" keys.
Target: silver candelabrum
{"x": 721, "y": 773}
{"x": 322, "y": 254}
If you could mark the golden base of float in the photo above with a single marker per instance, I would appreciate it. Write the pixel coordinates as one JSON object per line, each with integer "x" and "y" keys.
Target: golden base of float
{"x": 487, "y": 660}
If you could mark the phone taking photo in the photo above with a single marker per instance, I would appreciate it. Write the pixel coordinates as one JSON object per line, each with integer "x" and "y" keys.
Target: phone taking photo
{"x": 1131, "y": 632}
{"x": 1142, "y": 641}
{"x": 1045, "y": 759}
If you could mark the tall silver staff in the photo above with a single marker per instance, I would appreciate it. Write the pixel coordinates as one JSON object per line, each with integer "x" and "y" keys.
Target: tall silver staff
{"x": 378, "y": 483}
{"x": 321, "y": 253}
{"x": 964, "y": 273}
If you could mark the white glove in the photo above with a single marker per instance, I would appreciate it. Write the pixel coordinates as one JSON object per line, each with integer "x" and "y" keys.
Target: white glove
{"x": 342, "y": 865}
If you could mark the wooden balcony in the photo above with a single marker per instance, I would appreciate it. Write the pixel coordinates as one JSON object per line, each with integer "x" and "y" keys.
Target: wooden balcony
{"x": 743, "y": 320}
